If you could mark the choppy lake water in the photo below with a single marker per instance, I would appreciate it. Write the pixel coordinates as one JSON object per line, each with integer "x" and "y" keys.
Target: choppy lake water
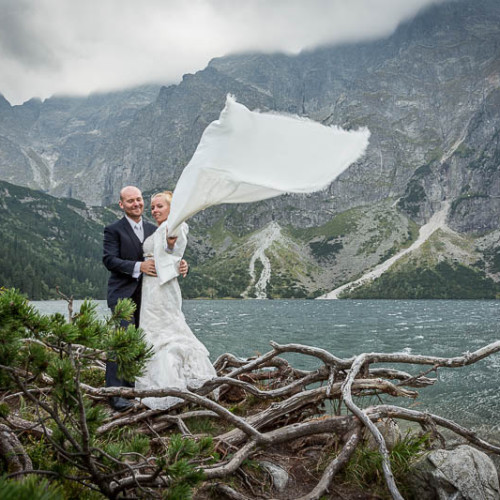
{"x": 468, "y": 395}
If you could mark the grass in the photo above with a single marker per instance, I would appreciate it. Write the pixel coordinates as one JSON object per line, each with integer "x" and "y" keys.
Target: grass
{"x": 202, "y": 425}
{"x": 364, "y": 470}
{"x": 218, "y": 233}
{"x": 342, "y": 224}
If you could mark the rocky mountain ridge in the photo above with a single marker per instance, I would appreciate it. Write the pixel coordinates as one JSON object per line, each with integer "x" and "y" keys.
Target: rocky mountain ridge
{"x": 429, "y": 93}
{"x": 46, "y": 145}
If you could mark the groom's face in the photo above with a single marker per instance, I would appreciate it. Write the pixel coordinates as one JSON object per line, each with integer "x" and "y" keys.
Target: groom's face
{"x": 131, "y": 202}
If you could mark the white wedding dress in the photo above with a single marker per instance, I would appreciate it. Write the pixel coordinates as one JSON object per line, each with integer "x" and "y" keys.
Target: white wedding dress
{"x": 179, "y": 359}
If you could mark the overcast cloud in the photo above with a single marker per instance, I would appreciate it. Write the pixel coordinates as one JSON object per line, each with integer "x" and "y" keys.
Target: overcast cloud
{"x": 79, "y": 46}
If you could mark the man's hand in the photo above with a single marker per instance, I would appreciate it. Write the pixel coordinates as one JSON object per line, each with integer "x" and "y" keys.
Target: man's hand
{"x": 148, "y": 267}
{"x": 183, "y": 268}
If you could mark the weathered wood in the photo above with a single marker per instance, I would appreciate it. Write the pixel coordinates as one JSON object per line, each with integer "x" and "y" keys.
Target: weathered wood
{"x": 357, "y": 365}
{"x": 311, "y": 378}
{"x": 305, "y": 398}
{"x": 288, "y": 421}
{"x": 237, "y": 459}
{"x": 325, "y": 356}
{"x": 12, "y": 452}
{"x": 335, "y": 466}
{"x": 455, "y": 362}
{"x": 20, "y": 424}
{"x": 229, "y": 492}
{"x": 404, "y": 378}
{"x": 382, "y": 411}
{"x": 238, "y": 422}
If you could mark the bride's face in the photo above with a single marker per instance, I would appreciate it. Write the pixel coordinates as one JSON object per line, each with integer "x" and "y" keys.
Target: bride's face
{"x": 160, "y": 209}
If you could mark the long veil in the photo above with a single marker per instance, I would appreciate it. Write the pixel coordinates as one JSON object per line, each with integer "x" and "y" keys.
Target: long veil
{"x": 247, "y": 156}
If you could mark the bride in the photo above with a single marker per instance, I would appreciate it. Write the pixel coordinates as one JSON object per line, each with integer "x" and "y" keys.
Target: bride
{"x": 179, "y": 358}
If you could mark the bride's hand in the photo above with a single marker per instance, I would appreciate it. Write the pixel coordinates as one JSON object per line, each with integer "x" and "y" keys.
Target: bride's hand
{"x": 148, "y": 267}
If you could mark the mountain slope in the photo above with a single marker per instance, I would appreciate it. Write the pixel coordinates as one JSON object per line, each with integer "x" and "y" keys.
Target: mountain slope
{"x": 444, "y": 267}
{"x": 430, "y": 94}
{"x": 48, "y": 145}
{"x": 47, "y": 243}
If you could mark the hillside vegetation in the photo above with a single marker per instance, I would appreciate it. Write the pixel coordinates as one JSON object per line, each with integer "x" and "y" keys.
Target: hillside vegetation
{"x": 48, "y": 242}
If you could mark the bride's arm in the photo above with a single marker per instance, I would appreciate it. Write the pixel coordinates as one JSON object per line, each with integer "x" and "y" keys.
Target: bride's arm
{"x": 167, "y": 262}
{"x": 177, "y": 245}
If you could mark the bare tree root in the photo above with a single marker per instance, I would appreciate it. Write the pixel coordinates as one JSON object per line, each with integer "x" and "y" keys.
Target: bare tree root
{"x": 12, "y": 452}
{"x": 21, "y": 424}
{"x": 229, "y": 492}
{"x": 388, "y": 411}
{"x": 335, "y": 466}
{"x": 347, "y": 394}
{"x": 264, "y": 404}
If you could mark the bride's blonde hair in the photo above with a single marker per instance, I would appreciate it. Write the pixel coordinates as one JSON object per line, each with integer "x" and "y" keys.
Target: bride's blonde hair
{"x": 166, "y": 195}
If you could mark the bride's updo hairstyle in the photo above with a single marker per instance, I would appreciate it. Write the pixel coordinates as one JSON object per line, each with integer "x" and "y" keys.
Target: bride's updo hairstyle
{"x": 166, "y": 195}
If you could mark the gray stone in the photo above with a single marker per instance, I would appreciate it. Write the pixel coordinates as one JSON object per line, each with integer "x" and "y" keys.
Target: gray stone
{"x": 460, "y": 474}
{"x": 278, "y": 474}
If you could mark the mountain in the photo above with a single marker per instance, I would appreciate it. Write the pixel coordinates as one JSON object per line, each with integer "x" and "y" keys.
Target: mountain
{"x": 48, "y": 145}
{"x": 429, "y": 93}
{"x": 49, "y": 242}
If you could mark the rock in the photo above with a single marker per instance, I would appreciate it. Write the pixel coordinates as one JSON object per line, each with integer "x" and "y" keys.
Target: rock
{"x": 428, "y": 92}
{"x": 278, "y": 475}
{"x": 460, "y": 474}
{"x": 390, "y": 432}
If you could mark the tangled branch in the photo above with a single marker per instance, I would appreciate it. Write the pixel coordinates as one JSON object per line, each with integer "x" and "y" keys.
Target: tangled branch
{"x": 265, "y": 404}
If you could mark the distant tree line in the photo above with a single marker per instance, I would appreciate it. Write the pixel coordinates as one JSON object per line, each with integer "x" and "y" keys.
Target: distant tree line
{"x": 48, "y": 242}
{"x": 37, "y": 272}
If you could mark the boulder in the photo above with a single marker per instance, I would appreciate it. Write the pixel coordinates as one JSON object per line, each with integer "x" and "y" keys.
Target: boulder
{"x": 463, "y": 473}
{"x": 278, "y": 475}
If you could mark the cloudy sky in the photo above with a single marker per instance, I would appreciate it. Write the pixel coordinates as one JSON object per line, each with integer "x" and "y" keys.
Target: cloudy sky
{"x": 79, "y": 46}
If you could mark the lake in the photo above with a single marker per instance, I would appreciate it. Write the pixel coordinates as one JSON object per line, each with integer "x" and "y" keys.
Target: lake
{"x": 468, "y": 395}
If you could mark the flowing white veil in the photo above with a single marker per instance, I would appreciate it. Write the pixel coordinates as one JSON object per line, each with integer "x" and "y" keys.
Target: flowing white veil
{"x": 247, "y": 156}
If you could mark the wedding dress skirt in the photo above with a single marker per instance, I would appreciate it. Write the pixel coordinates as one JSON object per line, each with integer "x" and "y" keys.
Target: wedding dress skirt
{"x": 179, "y": 359}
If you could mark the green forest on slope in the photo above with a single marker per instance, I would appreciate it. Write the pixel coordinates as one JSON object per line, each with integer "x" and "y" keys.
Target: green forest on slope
{"x": 48, "y": 242}
{"x": 52, "y": 242}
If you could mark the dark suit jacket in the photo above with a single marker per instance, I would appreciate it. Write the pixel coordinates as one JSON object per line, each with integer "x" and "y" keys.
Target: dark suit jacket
{"x": 121, "y": 250}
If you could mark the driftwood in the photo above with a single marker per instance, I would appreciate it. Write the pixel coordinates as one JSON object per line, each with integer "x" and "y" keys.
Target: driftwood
{"x": 12, "y": 452}
{"x": 280, "y": 406}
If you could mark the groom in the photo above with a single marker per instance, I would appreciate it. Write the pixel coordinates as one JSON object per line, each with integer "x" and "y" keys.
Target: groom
{"x": 123, "y": 257}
